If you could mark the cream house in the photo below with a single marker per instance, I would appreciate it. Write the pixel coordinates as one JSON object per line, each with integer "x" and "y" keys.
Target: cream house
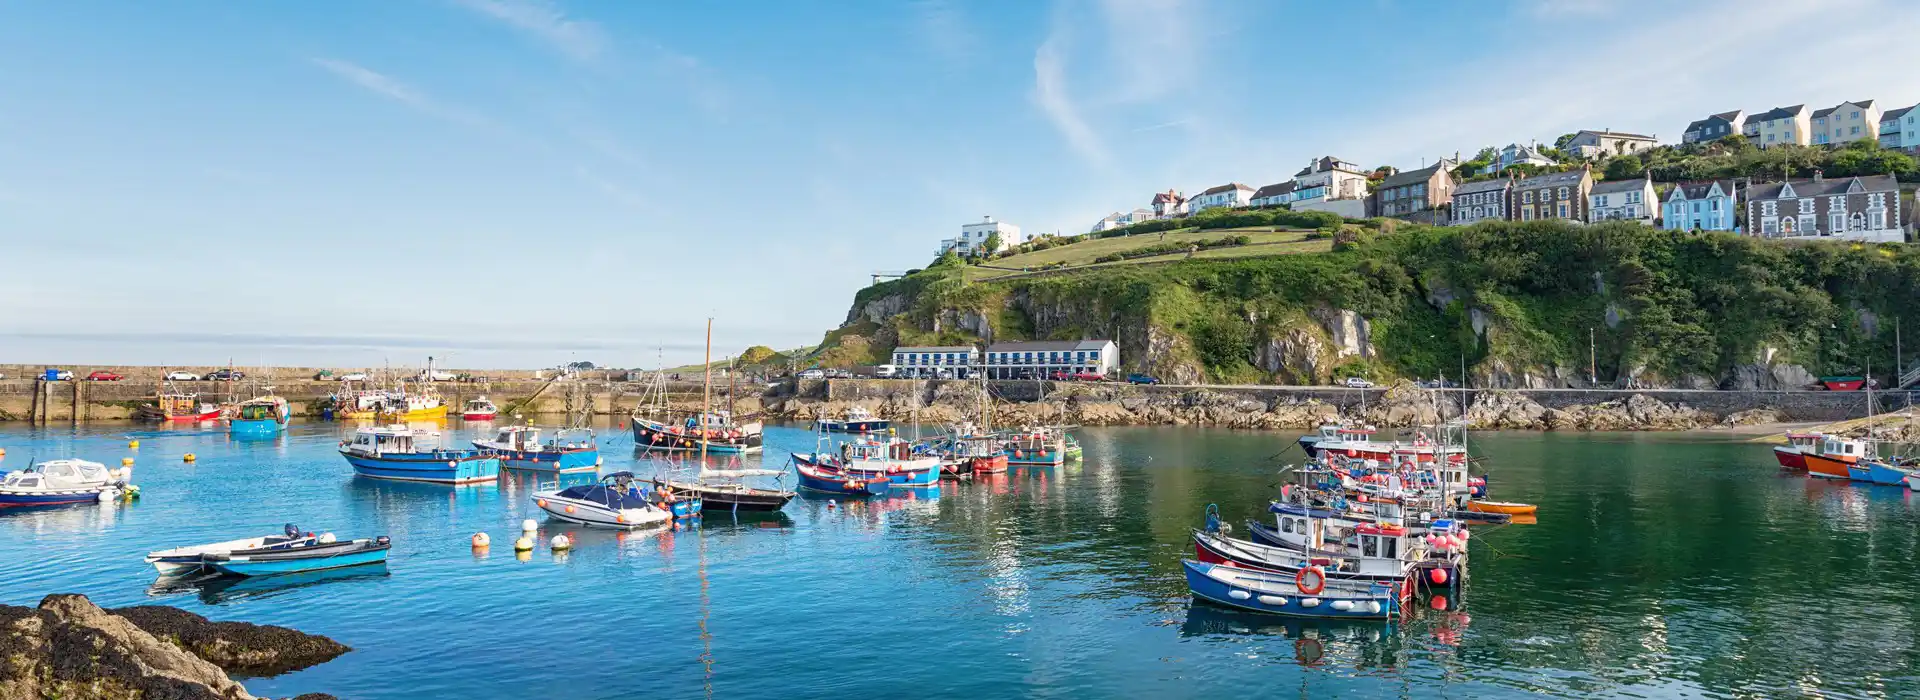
{"x": 1848, "y": 121}
{"x": 1781, "y": 125}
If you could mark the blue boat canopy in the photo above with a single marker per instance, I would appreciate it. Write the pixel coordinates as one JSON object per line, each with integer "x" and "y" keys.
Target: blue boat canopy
{"x": 612, "y": 498}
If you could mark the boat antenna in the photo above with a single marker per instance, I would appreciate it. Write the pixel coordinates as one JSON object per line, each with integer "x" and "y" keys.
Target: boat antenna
{"x": 706, "y": 392}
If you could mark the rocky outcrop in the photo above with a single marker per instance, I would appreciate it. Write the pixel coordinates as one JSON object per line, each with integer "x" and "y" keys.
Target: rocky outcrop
{"x": 1636, "y": 412}
{"x": 1505, "y": 410}
{"x": 1352, "y": 336}
{"x": 1298, "y": 356}
{"x": 70, "y": 648}
{"x": 1405, "y": 406}
{"x": 880, "y": 309}
{"x": 1768, "y": 377}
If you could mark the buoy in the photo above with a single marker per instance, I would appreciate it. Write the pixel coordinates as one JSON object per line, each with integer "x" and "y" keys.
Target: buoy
{"x": 542, "y": 503}
{"x": 561, "y": 543}
{"x": 1437, "y": 576}
{"x": 1439, "y": 602}
{"x": 529, "y": 525}
{"x": 481, "y": 540}
{"x": 3, "y": 451}
{"x": 523, "y": 544}
{"x": 134, "y": 444}
{"x": 126, "y": 461}
{"x": 188, "y": 457}
{"x": 830, "y": 504}
{"x": 569, "y": 509}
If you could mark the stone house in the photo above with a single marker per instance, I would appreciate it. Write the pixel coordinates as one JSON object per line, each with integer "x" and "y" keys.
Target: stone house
{"x": 1553, "y": 196}
{"x": 1488, "y": 200}
{"x": 1414, "y": 191}
{"x": 1848, "y": 208}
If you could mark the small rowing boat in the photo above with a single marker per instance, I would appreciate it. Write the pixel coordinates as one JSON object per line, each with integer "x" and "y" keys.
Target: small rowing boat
{"x": 186, "y": 560}
{"x": 318, "y": 555}
{"x": 1501, "y": 507}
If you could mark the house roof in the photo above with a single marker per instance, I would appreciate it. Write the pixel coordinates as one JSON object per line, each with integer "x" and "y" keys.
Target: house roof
{"x": 1699, "y": 190}
{"x": 936, "y": 348}
{"x": 1818, "y": 113}
{"x": 1553, "y": 179}
{"x": 1895, "y": 113}
{"x": 1410, "y": 177}
{"x": 1612, "y": 186}
{"x": 1728, "y": 115}
{"x": 1525, "y": 153}
{"x": 1168, "y": 197}
{"x": 1778, "y": 113}
{"x": 1325, "y": 164}
{"x": 1483, "y": 186}
{"x": 1229, "y": 187}
{"x": 1617, "y": 134}
{"x": 1047, "y": 345}
{"x": 1274, "y": 190}
{"x": 1815, "y": 188}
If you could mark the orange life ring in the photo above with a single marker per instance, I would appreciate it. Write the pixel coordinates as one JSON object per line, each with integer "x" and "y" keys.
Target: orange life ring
{"x": 1319, "y": 580}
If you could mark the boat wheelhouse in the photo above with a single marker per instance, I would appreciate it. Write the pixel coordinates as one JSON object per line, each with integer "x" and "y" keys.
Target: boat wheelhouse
{"x": 1793, "y": 455}
{"x": 478, "y": 410}
{"x": 1836, "y": 457}
{"x": 396, "y": 453}
{"x": 856, "y": 420}
{"x": 520, "y": 447}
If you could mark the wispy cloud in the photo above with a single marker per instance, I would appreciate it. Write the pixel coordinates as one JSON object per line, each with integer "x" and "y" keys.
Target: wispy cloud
{"x": 1567, "y": 8}
{"x": 393, "y": 89}
{"x": 1050, "y": 93}
{"x": 545, "y": 21}
{"x": 1151, "y": 45}
{"x": 1161, "y": 125}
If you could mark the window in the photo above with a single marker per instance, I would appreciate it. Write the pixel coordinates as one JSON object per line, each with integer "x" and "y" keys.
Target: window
{"x": 1806, "y": 222}
{"x": 1856, "y": 114}
{"x": 1526, "y": 213}
{"x": 1877, "y": 219}
{"x": 1600, "y": 200}
{"x": 1369, "y": 546}
{"x": 1633, "y": 197}
{"x": 1769, "y": 138}
{"x": 1819, "y": 121}
{"x": 1563, "y": 210}
{"x": 1563, "y": 193}
{"x": 1836, "y": 222}
{"x": 1712, "y": 205}
{"x": 1768, "y": 227}
{"x": 1527, "y": 197}
{"x": 1286, "y": 525}
{"x": 1856, "y": 131}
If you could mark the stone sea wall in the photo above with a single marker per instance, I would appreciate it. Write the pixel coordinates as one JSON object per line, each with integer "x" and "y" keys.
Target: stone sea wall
{"x": 1301, "y": 408}
{"x": 75, "y": 401}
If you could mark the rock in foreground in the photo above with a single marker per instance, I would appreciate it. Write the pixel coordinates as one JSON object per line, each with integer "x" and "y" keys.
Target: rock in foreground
{"x": 69, "y": 648}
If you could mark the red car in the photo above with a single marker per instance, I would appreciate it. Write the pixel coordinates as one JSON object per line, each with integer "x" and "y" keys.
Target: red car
{"x": 1089, "y": 377}
{"x": 104, "y": 376}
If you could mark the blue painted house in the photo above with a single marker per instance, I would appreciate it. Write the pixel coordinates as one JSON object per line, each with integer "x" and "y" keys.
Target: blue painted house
{"x": 1699, "y": 206}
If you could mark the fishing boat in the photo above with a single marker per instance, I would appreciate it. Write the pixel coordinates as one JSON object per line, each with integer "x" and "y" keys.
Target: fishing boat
{"x": 856, "y": 420}
{"x": 1836, "y": 458}
{"x": 63, "y": 482}
{"x": 727, "y": 490}
{"x": 179, "y": 408}
{"x": 1888, "y": 472}
{"x": 394, "y": 453}
{"x": 1215, "y": 548}
{"x": 390, "y": 405}
{"x": 321, "y": 554}
{"x": 1793, "y": 454}
{"x": 186, "y": 560}
{"x": 1308, "y": 593}
{"x": 260, "y": 415}
{"x": 828, "y": 480}
{"x": 478, "y": 410}
{"x": 713, "y": 432}
{"x": 1035, "y": 447}
{"x": 966, "y": 455}
{"x": 519, "y": 447}
{"x": 1843, "y": 383}
{"x": 613, "y": 502}
{"x": 1501, "y": 507}
{"x": 891, "y": 459}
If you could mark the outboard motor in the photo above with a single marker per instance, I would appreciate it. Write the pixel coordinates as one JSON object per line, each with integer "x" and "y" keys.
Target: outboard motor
{"x": 292, "y": 530}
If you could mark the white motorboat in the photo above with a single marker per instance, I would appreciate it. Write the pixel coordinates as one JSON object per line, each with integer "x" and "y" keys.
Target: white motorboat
{"x": 614, "y": 502}
{"x": 187, "y": 560}
{"x": 63, "y": 481}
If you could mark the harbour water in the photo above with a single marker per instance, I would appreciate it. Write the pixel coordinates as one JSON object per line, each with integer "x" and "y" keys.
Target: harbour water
{"x": 1660, "y": 566}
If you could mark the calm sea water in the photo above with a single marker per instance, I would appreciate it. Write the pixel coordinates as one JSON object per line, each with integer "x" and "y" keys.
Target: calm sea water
{"x": 1661, "y": 566}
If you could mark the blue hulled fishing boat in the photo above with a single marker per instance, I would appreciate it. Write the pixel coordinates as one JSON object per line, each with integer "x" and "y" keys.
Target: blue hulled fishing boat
{"x": 519, "y": 447}
{"x": 318, "y": 555}
{"x": 260, "y": 416}
{"x": 1306, "y": 594}
{"x": 393, "y": 453}
{"x": 890, "y": 459}
{"x": 857, "y": 420}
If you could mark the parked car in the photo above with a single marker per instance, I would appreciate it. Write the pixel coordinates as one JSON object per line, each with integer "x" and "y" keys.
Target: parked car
{"x": 60, "y": 375}
{"x": 886, "y": 371}
{"x": 943, "y": 373}
{"x": 182, "y": 376}
{"x": 813, "y": 374}
{"x": 1137, "y": 378}
{"x": 436, "y": 376}
{"x": 223, "y": 375}
{"x": 1089, "y": 377}
{"x": 1358, "y": 383}
{"x": 1026, "y": 374}
{"x": 839, "y": 374}
{"x": 101, "y": 375}
{"x": 353, "y": 377}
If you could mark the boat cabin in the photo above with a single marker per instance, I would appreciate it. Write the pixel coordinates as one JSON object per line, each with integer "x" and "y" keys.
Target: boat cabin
{"x": 58, "y": 474}
{"x": 1845, "y": 449}
{"x": 1806, "y": 443}
{"x": 379, "y": 441}
{"x": 479, "y": 405}
{"x": 876, "y": 450}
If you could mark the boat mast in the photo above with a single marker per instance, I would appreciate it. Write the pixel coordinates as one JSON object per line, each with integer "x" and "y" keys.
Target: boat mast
{"x": 706, "y": 393}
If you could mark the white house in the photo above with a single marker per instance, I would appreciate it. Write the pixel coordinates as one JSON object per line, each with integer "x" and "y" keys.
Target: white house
{"x": 920, "y": 361}
{"x": 1699, "y": 206}
{"x": 1110, "y": 221}
{"x": 1623, "y": 200}
{"x": 1516, "y": 154}
{"x": 1278, "y": 193}
{"x": 973, "y": 238}
{"x": 1588, "y": 143}
{"x": 1779, "y": 125}
{"x": 1331, "y": 184}
{"x": 1041, "y": 359}
{"x": 1232, "y": 194}
{"x": 1898, "y": 128}
{"x": 1169, "y": 203}
{"x": 1847, "y": 121}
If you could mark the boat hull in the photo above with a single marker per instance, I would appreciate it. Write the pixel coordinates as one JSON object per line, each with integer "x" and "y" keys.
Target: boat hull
{"x": 320, "y": 561}
{"x": 255, "y": 427}
{"x": 42, "y": 499}
{"x": 1790, "y": 458}
{"x": 597, "y": 515}
{"x": 873, "y": 425}
{"x": 1500, "y": 507}
{"x": 814, "y": 479}
{"x": 434, "y": 467}
{"x": 478, "y": 416}
{"x": 1278, "y": 594}
{"x": 732, "y": 498}
{"x": 1886, "y": 474}
{"x": 923, "y": 471}
{"x": 1215, "y": 549}
{"x": 1045, "y": 457}
{"x": 562, "y": 461}
{"x": 655, "y": 437}
{"x": 1824, "y": 467}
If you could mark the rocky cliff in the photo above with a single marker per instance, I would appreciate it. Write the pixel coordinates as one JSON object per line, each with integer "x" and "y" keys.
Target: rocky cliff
{"x": 71, "y": 649}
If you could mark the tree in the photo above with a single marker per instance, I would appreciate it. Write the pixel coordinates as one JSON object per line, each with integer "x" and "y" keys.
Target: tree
{"x": 991, "y": 246}
{"x": 946, "y": 259}
{"x": 1624, "y": 168}
{"x": 1560, "y": 144}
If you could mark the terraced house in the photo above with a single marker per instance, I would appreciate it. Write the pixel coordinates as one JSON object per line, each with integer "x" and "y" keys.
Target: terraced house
{"x": 1553, "y": 196}
{"x": 1488, "y": 200}
{"x": 1278, "y": 193}
{"x": 1898, "y": 129}
{"x": 1415, "y": 192}
{"x": 1623, "y": 200}
{"x": 1699, "y": 206}
{"x": 1780, "y": 125}
{"x": 1847, "y": 208}
{"x": 1715, "y": 127}
{"x": 1848, "y": 121}
{"x": 1232, "y": 194}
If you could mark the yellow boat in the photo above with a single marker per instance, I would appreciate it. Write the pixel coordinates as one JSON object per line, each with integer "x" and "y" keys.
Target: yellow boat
{"x": 391, "y": 407}
{"x": 1501, "y": 507}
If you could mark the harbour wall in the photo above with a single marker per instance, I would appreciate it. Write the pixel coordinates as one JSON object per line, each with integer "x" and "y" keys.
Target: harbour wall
{"x": 78, "y": 401}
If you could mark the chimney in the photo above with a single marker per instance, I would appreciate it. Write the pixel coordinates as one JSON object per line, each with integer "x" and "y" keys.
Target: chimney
{"x": 1818, "y": 176}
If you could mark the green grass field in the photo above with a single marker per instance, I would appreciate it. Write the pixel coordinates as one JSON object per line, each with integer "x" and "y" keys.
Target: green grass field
{"x": 1266, "y": 241}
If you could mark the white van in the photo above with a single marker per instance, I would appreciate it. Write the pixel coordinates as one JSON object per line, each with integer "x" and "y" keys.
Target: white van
{"x": 886, "y": 371}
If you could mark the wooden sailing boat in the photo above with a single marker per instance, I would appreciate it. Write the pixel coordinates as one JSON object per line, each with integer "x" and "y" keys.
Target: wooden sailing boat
{"x": 720, "y": 489}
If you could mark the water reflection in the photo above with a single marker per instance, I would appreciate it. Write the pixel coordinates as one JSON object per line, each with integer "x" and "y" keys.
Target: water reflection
{"x": 219, "y": 589}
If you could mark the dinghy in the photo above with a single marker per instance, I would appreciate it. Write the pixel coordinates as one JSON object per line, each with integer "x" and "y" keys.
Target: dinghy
{"x": 319, "y": 555}
{"x": 186, "y": 560}
{"x": 62, "y": 482}
{"x": 1501, "y": 507}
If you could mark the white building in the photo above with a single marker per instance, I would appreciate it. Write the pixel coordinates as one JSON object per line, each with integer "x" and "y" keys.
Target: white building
{"x": 1232, "y": 194}
{"x": 1516, "y": 154}
{"x": 1848, "y": 121}
{"x": 1588, "y": 143}
{"x": 1623, "y": 200}
{"x": 924, "y": 361}
{"x": 1331, "y": 184}
{"x": 1110, "y": 221}
{"x": 973, "y": 238}
{"x": 1042, "y": 359}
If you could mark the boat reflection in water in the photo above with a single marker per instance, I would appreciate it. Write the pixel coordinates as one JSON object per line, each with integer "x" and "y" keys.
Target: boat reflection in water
{"x": 215, "y": 589}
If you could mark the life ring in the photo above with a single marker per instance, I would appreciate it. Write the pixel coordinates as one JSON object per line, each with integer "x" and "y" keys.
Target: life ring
{"x": 1319, "y": 580}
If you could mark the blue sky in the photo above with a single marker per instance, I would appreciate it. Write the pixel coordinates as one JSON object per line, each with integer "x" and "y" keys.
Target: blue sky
{"x": 523, "y": 182}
